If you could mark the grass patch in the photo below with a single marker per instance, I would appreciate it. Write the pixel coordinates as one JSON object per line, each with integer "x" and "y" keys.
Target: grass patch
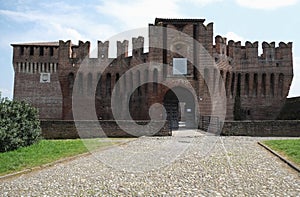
{"x": 47, "y": 151}
{"x": 289, "y": 148}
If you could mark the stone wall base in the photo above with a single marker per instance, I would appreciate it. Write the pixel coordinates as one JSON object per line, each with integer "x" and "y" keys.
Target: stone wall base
{"x": 69, "y": 129}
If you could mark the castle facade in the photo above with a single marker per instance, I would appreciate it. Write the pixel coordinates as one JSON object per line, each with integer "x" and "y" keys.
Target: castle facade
{"x": 254, "y": 86}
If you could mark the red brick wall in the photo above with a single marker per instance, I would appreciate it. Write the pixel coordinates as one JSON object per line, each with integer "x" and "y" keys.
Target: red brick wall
{"x": 54, "y": 99}
{"x": 88, "y": 129}
{"x": 27, "y": 86}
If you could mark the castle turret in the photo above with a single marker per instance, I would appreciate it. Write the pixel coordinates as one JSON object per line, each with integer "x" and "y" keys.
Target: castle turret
{"x": 268, "y": 51}
{"x": 251, "y": 51}
{"x": 137, "y": 46}
{"x": 36, "y": 77}
{"x": 284, "y": 51}
{"x": 103, "y": 48}
{"x": 122, "y": 49}
{"x": 221, "y": 45}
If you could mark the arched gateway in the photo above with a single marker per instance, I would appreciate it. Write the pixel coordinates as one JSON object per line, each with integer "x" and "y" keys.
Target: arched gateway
{"x": 179, "y": 103}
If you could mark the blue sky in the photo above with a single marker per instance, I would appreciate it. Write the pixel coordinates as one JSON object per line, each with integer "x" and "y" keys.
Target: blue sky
{"x": 240, "y": 20}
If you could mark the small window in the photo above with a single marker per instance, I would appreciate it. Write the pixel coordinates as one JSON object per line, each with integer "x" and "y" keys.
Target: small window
{"x": 272, "y": 85}
{"x": 90, "y": 84}
{"x": 247, "y": 84}
{"x": 41, "y": 51}
{"x": 263, "y": 84}
{"x": 108, "y": 85}
{"x": 70, "y": 83}
{"x": 179, "y": 66}
{"x": 51, "y": 51}
{"x": 21, "y": 50}
{"x": 155, "y": 81}
{"x": 31, "y": 50}
{"x": 255, "y": 84}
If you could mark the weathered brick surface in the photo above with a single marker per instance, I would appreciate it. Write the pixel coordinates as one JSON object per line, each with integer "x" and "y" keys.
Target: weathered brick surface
{"x": 278, "y": 128}
{"x": 68, "y": 129}
{"x": 261, "y": 82}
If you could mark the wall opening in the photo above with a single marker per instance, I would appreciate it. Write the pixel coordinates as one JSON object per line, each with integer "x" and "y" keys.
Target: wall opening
{"x": 31, "y": 50}
{"x": 214, "y": 80}
{"x": 272, "y": 89}
{"x": 139, "y": 92}
{"x": 99, "y": 86}
{"x": 227, "y": 83}
{"x": 232, "y": 84}
{"x": 180, "y": 108}
{"x": 117, "y": 86}
{"x": 21, "y": 50}
{"x": 238, "y": 87}
{"x": 108, "y": 85}
{"x": 90, "y": 84}
{"x": 221, "y": 81}
{"x": 146, "y": 74}
{"x": 263, "y": 84}
{"x": 70, "y": 83}
{"x": 280, "y": 84}
{"x": 206, "y": 80}
{"x": 41, "y": 51}
{"x": 80, "y": 84}
{"x": 255, "y": 84}
{"x": 51, "y": 51}
{"x": 155, "y": 80}
{"x": 247, "y": 84}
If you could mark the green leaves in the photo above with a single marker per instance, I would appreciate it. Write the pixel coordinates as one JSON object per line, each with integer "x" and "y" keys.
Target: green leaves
{"x": 19, "y": 125}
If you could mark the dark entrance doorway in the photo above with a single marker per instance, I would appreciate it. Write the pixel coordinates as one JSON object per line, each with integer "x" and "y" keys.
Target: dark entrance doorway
{"x": 180, "y": 108}
{"x": 171, "y": 104}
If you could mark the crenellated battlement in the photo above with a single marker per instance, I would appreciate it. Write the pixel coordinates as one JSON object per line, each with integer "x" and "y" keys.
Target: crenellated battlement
{"x": 282, "y": 52}
{"x": 38, "y": 49}
{"x": 103, "y": 48}
{"x": 249, "y": 52}
{"x": 82, "y": 50}
{"x": 137, "y": 46}
{"x": 122, "y": 49}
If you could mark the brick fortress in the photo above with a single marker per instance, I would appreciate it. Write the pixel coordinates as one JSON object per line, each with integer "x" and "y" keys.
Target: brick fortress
{"x": 256, "y": 86}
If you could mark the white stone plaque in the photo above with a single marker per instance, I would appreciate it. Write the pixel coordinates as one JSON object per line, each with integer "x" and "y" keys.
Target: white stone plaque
{"x": 45, "y": 78}
{"x": 179, "y": 66}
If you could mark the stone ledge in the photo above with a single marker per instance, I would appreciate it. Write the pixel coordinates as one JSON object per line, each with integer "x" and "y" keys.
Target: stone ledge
{"x": 262, "y": 128}
{"x": 68, "y": 129}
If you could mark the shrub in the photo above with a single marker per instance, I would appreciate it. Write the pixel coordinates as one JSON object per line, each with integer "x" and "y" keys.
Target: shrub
{"x": 19, "y": 125}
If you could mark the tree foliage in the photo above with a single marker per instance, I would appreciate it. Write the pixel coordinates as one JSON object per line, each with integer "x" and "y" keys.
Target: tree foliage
{"x": 19, "y": 125}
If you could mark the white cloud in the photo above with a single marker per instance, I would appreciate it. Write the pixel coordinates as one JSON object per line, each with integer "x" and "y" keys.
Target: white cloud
{"x": 295, "y": 88}
{"x": 233, "y": 36}
{"x": 137, "y": 14}
{"x": 201, "y": 2}
{"x": 236, "y": 38}
{"x": 266, "y": 4}
{"x": 60, "y": 20}
{"x": 66, "y": 23}
{"x": 6, "y": 93}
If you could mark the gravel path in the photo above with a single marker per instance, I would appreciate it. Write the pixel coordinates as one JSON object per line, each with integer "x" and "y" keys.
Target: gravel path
{"x": 201, "y": 165}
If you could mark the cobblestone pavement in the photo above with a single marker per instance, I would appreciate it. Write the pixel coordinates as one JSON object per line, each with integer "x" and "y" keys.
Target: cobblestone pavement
{"x": 200, "y": 165}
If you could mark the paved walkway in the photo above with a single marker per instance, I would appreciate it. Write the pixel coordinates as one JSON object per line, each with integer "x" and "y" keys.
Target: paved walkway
{"x": 187, "y": 164}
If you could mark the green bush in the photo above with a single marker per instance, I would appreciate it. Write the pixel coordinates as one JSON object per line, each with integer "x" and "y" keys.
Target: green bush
{"x": 19, "y": 125}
